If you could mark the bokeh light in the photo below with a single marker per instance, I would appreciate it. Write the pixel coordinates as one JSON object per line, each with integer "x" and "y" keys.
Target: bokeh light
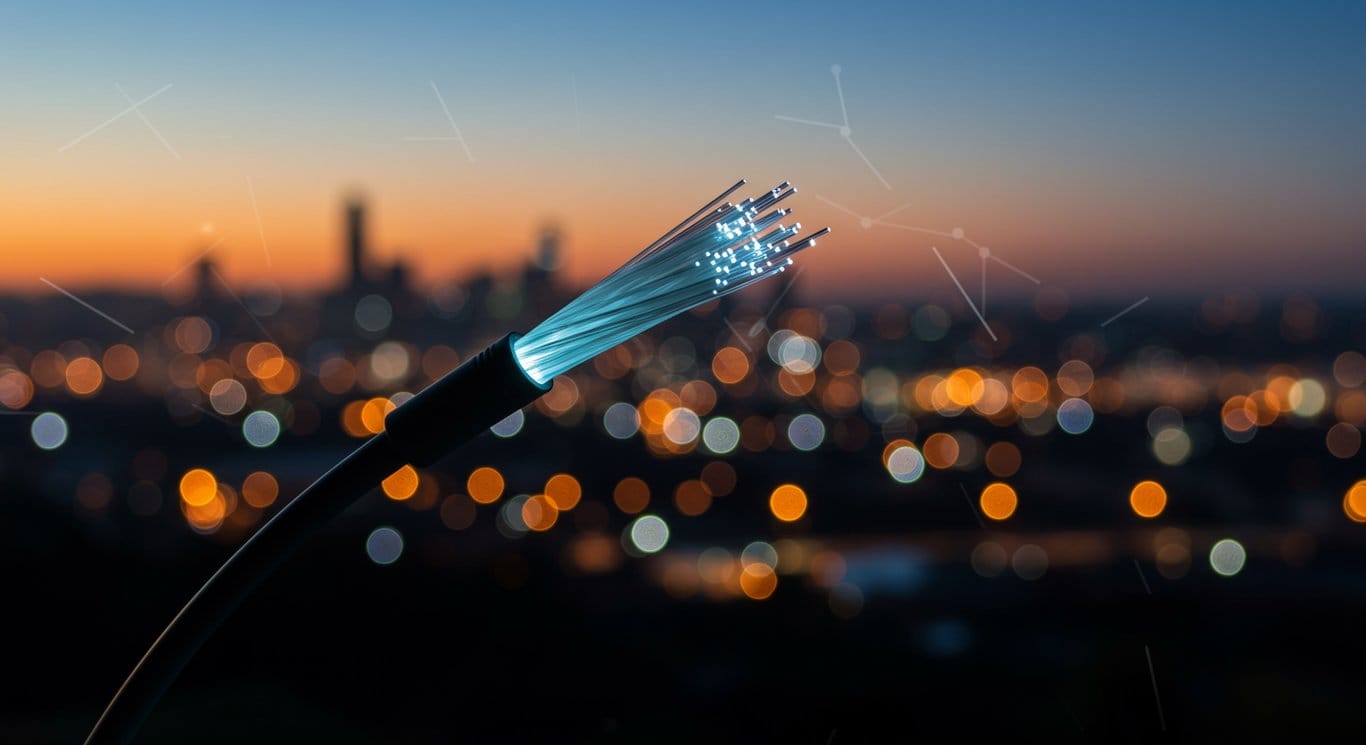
{"x": 1172, "y": 446}
{"x": 905, "y": 464}
{"x": 261, "y": 429}
{"x": 539, "y": 513}
{"x": 1354, "y": 502}
{"x": 1003, "y": 459}
{"x": 563, "y": 491}
{"x": 1075, "y": 416}
{"x": 510, "y": 425}
{"x": 260, "y": 489}
{"x": 692, "y": 498}
{"x": 787, "y": 502}
{"x": 1148, "y": 499}
{"x": 806, "y": 432}
{"x": 721, "y": 435}
{"x": 649, "y": 533}
{"x": 621, "y": 420}
{"x": 1227, "y": 557}
{"x": 197, "y": 487}
{"x": 485, "y": 485}
{"x": 48, "y": 430}
{"x": 384, "y": 545}
{"x": 631, "y": 495}
{"x": 998, "y": 501}
{"x": 401, "y": 484}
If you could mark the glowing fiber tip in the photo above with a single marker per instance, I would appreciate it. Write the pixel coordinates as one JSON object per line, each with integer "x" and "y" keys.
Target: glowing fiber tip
{"x": 721, "y": 248}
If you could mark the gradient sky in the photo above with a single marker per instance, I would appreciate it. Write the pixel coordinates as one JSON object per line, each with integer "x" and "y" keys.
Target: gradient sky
{"x": 1144, "y": 150}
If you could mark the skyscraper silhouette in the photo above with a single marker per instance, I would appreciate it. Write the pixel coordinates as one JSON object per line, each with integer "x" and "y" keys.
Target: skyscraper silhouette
{"x": 355, "y": 242}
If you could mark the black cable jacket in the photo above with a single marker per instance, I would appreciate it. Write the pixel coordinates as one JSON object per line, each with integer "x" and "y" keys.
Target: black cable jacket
{"x": 449, "y": 412}
{"x": 249, "y": 565}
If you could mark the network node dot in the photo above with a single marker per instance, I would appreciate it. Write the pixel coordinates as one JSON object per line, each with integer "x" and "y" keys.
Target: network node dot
{"x": 984, "y": 252}
{"x": 845, "y": 131}
{"x": 866, "y": 222}
{"x": 836, "y": 69}
{"x": 958, "y": 234}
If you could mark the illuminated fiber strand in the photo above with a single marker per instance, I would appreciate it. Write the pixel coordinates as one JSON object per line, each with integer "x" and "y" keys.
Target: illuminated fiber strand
{"x": 719, "y": 249}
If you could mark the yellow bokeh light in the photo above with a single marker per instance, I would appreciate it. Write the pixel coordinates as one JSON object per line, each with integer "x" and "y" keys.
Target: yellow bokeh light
{"x": 485, "y": 485}
{"x": 198, "y": 487}
{"x": 998, "y": 501}
{"x": 787, "y": 503}
{"x": 400, "y": 484}
{"x": 963, "y": 387}
{"x": 372, "y": 414}
{"x": 1148, "y": 499}
{"x": 563, "y": 491}
{"x": 351, "y": 420}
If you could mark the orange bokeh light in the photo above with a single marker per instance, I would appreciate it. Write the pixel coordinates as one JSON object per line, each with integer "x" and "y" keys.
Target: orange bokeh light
{"x": 1148, "y": 499}
{"x": 372, "y": 414}
{"x": 84, "y": 376}
{"x": 788, "y": 503}
{"x": 1354, "y": 502}
{"x": 1003, "y": 460}
{"x": 631, "y": 495}
{"x": 563, "y": 491}
{"x": 260, "y": 489}
{"x": 120, "y": 362}
{"x": 539, "y": 513}
{"x": 692, "y": 498}
{"x": 963, "y": 387}
{"x": 400, "y": 484}
{"x": 758, "y": 581}
{"x": 485, "y": 485}
{"x": 940, "y": 450}
{"x": 197, "y": 487}
{"x": 1029, "y": 384}
{"x": 998, "y": 501}
{"x": 265, "y": 360}
{"x": 730, "y": 365}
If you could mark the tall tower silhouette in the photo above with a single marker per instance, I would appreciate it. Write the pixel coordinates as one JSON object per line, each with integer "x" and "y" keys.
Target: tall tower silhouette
{"x": 355, "y": 240}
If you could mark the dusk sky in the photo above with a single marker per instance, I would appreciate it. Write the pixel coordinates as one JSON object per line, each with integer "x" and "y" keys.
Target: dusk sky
{"x": 1150, "y": 149}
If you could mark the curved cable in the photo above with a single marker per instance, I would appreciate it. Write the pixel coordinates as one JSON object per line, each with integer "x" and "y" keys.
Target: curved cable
{"x": 255, "y": 560}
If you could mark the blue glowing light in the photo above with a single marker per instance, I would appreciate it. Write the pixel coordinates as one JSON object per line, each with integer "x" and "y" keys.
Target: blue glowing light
{"x": 1075, "y": 416}
{"x": 716, "y": 251}
{"x": 384, "y": 546}
{"x": 261, "y": 428}
{"x": 49, "y": 430}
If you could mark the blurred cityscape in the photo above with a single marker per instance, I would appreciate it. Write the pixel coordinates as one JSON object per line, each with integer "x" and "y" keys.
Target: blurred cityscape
{"x": 807, "y": 518}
